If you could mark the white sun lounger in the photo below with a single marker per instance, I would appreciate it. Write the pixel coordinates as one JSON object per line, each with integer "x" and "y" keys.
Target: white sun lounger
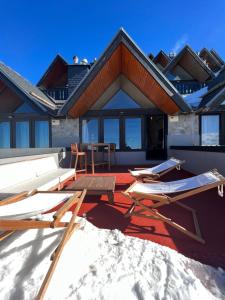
{"x": 18, "y": 212}
{"x": 157, "y": 171}
{"x": 160, "y": 194}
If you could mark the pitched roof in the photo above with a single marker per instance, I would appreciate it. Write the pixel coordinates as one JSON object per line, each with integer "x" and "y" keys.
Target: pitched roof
{"x": 217, "y": 56}
{"x": 122, "y": 38}
{"x": 26, "y": 90}
{"x": 162, "y": 58}
{"x": 57, "y": 59}
{"x": 196, "y": 59}
{"x": 213, "y": 63}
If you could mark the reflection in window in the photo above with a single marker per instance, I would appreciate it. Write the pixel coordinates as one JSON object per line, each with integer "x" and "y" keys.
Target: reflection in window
{"x": 22, "y": 135}
{"x": 121, "y": 100}
{"x": 111, "y": 132}
{"x": 4, "y": 134}
{"x": 210, "y": 130}
{"x": 41, "y": 134}
{"x": 90, "y": 131}
{"x": 133, "y": 133}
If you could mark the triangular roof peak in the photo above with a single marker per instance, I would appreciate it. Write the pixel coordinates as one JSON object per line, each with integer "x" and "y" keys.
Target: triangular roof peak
{"x": 57, "y": 59}
{"x": 123, "y": 56}
{"x": 213, "y": 63}
{"x": 162, "y": 59}
{"x": 191, "y": 63}
{"x": 25, "y": 89}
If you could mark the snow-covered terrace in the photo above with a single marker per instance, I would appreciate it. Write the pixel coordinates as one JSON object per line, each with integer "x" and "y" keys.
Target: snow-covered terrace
{"x": 112, "y": 257}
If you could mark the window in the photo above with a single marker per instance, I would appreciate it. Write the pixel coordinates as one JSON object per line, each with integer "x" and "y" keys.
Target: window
{"x": 22, "y": 134}
{"x": 41, "y": 134}
{"x": 133, "y": 133}
{"x": 210, "y": 126}
{"x": 90, "y": 131}
{"x": 121, "y": 101}
{"x": 112, "y": 132}
{"x": 5, "y": 135}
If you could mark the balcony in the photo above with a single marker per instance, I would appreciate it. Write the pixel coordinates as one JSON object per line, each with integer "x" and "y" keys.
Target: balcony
{"x": 187, "y": 87}
{"x": 57, "y": 93}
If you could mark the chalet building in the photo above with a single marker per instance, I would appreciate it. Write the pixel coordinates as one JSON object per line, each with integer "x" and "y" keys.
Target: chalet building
{"x": 143, "y": 104}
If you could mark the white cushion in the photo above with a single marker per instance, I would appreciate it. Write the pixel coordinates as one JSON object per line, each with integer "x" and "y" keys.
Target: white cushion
{"x": 11, "y": 174}
{"x": 45, "y": 165}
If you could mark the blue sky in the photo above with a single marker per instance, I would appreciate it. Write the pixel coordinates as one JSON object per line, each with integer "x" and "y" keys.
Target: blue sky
{"x": 33, "y": 32}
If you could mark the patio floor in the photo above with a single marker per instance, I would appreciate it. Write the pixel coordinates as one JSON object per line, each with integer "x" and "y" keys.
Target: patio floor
{"x": 211, "y": 215}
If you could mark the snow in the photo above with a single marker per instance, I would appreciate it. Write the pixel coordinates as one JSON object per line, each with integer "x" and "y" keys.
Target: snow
{"x": 195, "y": 98}
{"x": 102, "y": 264}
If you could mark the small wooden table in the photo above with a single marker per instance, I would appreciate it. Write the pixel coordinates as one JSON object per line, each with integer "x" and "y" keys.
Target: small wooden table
{"x": 95, "y": 185}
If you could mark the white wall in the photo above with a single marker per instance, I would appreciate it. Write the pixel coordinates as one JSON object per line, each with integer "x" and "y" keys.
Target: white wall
{"x": 198, "y": 161}
{"x": 133, "y": 158}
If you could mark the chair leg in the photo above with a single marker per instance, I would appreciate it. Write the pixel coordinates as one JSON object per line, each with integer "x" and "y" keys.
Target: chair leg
{"x": 71, "y": 156}
{"x": 76, "y": 161}
{"x": 85, "y": 161}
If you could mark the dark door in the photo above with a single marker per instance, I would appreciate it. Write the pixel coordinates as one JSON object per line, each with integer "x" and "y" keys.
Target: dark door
{"x": 155, "y": 137}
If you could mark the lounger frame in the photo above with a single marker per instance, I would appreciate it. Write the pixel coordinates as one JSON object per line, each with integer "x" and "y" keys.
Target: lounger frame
{"x": 160, "y": 200}
{"x": 11, "y": 226}
{"x": 155, "y": 176}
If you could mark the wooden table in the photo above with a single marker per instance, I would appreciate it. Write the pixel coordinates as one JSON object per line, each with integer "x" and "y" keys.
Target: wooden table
{"x": 95, "y": 185}
{"x": 96, "y": 146}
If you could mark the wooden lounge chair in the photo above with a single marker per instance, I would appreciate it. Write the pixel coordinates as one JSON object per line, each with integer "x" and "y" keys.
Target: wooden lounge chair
{"x": 157, "y": 171}
{"x": 19, "y": 212}
{"x": 164, "y": 193}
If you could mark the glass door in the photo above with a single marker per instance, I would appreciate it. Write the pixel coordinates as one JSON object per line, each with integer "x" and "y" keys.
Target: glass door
{"x": 155, "y": 134}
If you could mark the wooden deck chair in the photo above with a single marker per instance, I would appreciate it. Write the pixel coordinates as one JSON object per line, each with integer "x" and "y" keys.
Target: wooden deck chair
{"x": 165, "y": 193}
{"x": 157, "y": 171}
{"x": 23, "y": 211}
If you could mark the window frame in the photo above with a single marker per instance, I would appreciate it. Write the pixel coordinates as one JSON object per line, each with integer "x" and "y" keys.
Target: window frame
{"x": 221, "y": 135}
{"x": 14, "y": 129}
{"x": 121, "y": 130}
{"x": 4, "y": 119}
{"x": 13, "y": 118}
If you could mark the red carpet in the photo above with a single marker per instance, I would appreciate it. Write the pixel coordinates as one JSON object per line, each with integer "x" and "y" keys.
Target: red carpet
{"x": 209, "y": 206}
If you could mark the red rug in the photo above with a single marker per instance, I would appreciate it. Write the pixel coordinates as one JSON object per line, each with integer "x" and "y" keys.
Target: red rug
{"x": 210, "y": 211}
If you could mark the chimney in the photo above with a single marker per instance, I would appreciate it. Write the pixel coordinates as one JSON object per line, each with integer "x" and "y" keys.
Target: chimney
{"x": 75, "y": 59}
{"x": 172, "y": 54}
{"x": 84, "y": 61}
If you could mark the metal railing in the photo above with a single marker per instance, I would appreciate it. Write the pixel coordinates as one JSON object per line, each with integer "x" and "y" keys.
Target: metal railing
{"x": 57, "y": 93}
{"x": 187, "y": 87}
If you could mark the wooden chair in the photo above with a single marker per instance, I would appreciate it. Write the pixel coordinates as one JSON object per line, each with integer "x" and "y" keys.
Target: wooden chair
{"x": 157, "y": 171}
{"x": 159, "y": 194}
{"x": 113, "y": 151}
{"x": 16, "y": 214}
{"x": 79, "y": 156}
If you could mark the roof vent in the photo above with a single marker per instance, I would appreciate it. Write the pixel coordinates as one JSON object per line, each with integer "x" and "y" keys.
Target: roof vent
{"x": 84, "y": 61}
{"x": 75, "y": 59}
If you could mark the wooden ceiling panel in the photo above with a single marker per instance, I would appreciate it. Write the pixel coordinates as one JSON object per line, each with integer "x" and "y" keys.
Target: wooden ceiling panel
{"x": 143, "y": 80}
{"x": 188, "y": 62}
{"x": 101, "y": 82}
{"x": 122, "y": 61}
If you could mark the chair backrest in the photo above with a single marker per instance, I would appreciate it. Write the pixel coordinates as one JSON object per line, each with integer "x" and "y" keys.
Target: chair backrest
{"x": 182, "y": 185}
{"x": 74, "y": 148}
{"x": 32, "y": 206}
{"x": 113, "y": 147}
{"x": 84, "y": 147}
